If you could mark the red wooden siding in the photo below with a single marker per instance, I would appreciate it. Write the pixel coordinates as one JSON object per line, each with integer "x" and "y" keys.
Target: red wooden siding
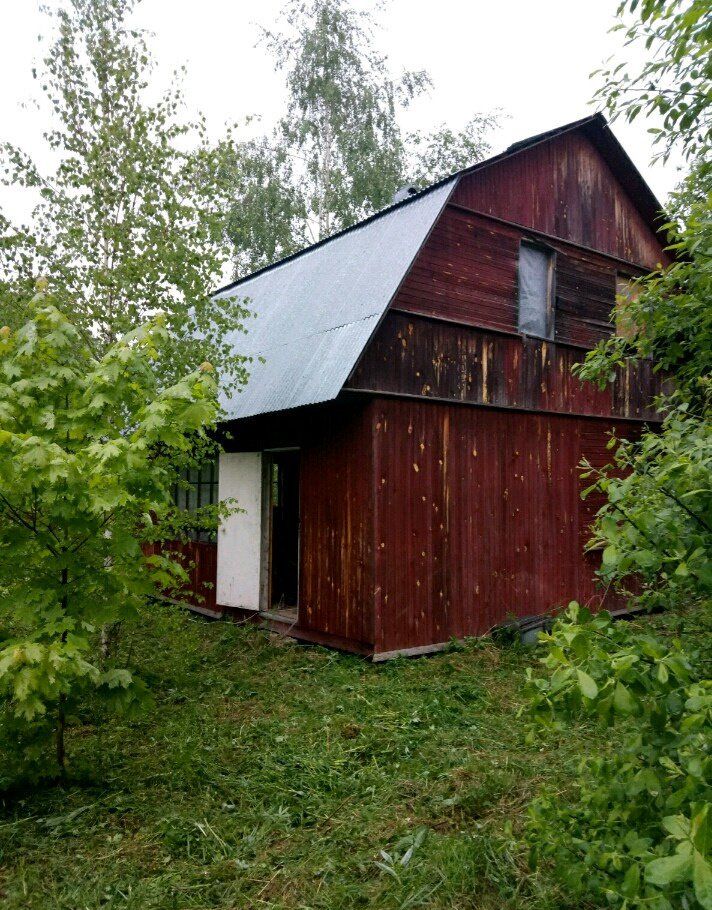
{"x": 200, "y": 560}
{"x": 336, "y": 530}
{"x": 440, "y": 492}
{"x": 585, "y": 294}
{"x": 565, "y": 188}
{"x": 478, "y": 517}
{"x": 421, "y": 357}
{"x": 467, "y": 272}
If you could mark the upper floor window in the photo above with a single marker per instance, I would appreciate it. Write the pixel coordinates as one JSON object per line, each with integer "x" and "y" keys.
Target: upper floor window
{"x": 536, "y": 290}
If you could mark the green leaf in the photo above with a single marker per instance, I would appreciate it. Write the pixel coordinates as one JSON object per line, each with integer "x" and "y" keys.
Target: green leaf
{"x": 623, "y": 701}
{"x": 677, "y": 825}
{"x": 631, "y": 881}
{"x": 668, "y": 869}
{"x": 586, "y": 684}
{"x": 645, "y": 558}
{"x": 701, "y": 828}
{"x": 611, "y": 555}
{"x": 645, "y": 780}
{"x": 702, "y": 880}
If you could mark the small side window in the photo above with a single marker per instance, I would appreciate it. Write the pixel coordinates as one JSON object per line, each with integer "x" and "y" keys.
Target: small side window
{"x": 198, "y": 487}
{"x": 536, "y": 290}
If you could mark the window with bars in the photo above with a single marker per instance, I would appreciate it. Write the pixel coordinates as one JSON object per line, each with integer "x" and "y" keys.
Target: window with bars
{"x": 200, "y": 488}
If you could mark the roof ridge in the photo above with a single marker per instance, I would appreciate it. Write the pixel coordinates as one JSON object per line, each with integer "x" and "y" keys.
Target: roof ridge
{"x": 352, "y": 227}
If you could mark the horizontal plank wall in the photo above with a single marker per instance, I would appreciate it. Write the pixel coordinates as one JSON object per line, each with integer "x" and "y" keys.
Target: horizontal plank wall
{"x": 428, "y": 358}
{"x": 467, "y": 273}
{"x": 478, "y": 518}
{"x": 336, "y": 529}
{"x": 565, "y": 188}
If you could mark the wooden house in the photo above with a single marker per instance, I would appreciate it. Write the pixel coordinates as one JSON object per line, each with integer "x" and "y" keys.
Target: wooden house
{"x": 406, "y": 451}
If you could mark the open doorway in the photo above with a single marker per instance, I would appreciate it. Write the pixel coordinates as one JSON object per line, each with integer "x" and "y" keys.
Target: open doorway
{"x": 283, "y": 479}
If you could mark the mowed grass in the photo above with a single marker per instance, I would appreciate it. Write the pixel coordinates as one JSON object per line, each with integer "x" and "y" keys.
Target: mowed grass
{"x": 274, "y": 775}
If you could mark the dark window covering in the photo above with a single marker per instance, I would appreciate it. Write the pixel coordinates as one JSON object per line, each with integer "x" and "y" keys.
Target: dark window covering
{"x": 536, "y": 282}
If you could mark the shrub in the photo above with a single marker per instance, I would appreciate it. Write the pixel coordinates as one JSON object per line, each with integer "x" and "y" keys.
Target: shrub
{"x": 637, "y": 828}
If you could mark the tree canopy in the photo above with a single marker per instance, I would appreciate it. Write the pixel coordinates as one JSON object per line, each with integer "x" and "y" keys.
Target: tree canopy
{"x": 339, "y": 152}
{"x": 89, "y": 449}
{"x": 131, "y": 219}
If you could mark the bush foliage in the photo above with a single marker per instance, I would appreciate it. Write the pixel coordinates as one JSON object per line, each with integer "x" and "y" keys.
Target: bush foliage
{"x": 637, "y": 829}
{"x": 656, "y": 526}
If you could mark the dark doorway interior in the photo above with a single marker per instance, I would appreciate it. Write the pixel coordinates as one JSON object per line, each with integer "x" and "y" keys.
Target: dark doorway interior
{"x": 284, "y": 525}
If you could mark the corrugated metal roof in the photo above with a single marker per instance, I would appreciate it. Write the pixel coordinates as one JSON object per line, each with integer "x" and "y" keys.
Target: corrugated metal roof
{"x": 315, "y": 312}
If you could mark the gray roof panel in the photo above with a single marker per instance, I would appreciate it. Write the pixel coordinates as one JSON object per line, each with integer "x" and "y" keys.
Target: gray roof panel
{"x": 316, "y": 311}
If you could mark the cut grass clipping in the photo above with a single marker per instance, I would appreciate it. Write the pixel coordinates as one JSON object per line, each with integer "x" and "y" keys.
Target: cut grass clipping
{"x": 273, "y": 775}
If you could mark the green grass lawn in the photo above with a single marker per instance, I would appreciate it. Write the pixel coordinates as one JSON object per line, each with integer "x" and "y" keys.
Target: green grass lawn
{"x": 273, "y": 775}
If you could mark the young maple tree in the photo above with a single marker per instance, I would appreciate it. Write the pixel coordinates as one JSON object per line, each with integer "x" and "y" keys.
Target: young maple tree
{"x": 88, "y": 454}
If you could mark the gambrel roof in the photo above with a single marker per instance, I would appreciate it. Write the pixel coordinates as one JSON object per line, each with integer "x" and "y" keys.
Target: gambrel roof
{"x": 315, "y": 311}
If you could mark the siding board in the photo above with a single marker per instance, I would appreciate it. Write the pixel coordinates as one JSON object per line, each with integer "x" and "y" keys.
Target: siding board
{"x": 467, "y": 272}
{"x": 564, "y": 187}
{"x": 200, "y": 561}
{"x": 336, "y": 530}
{"x": 423, "y": 357}
{"x": 479, "y": 518}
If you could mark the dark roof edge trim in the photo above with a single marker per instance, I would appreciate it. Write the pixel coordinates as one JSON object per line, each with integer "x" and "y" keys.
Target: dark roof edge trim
{"x": 352, "y": 227}
{"x": 455, "y": 181}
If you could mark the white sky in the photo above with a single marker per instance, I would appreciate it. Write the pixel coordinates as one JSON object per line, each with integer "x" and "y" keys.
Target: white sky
{"x": 533, "y": 59}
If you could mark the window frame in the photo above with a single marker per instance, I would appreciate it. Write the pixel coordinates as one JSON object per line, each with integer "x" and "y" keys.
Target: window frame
{"x": 189, "y": 498}
{"x": 550, "y": 314}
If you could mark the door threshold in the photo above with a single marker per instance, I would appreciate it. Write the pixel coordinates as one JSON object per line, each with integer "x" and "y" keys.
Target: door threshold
{"x": 288, "y": 615}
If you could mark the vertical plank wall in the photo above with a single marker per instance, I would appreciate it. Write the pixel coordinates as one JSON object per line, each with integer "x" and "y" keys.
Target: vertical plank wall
{"x": 478, "y": 517}
{"x": 565, "y": 188}
{"x": 199, "y": 559}
{"x": 336, "y": 529}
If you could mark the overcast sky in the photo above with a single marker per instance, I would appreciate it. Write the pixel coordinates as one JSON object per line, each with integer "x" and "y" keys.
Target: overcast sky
{"x": 532, "y": 59}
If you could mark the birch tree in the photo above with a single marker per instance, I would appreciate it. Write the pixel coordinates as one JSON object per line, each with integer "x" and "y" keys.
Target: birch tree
{"x": 130, "y": 221}
{"x": 341, "y": 115}
{"x": 340, "y": 151}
